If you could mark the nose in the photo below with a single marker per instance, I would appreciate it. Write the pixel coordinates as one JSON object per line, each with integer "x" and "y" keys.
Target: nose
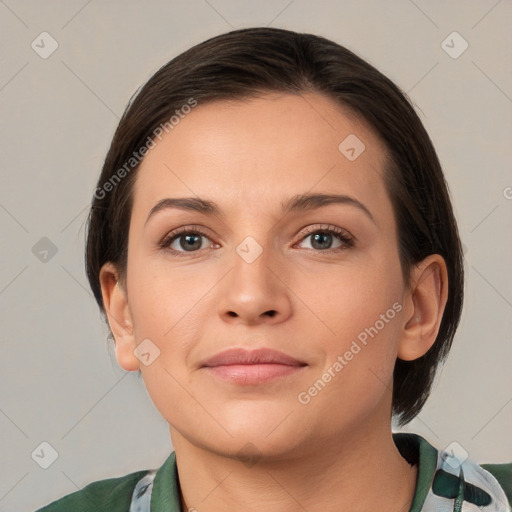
{"x": 255, "y": 292}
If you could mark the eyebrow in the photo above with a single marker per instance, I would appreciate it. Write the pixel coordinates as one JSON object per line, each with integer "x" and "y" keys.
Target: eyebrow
{"x": 300, "y": 202}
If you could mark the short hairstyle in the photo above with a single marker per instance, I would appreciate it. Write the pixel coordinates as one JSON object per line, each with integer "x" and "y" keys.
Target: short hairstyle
{"x": 248, "y": 63}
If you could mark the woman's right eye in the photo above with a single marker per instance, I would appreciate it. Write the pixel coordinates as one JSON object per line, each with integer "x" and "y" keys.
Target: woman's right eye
{"x": 184, "y": 241}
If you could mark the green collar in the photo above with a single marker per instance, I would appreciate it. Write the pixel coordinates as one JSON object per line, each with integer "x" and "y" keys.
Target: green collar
{"x": 414, "y": 448}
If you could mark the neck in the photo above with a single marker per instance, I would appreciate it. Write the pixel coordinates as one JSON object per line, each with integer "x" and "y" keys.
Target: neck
{"x": 357, "y": 472}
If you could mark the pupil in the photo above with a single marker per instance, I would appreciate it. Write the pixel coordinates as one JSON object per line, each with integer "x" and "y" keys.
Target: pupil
{"x": 318, "y": 238}
{"x": 188, "y": 238}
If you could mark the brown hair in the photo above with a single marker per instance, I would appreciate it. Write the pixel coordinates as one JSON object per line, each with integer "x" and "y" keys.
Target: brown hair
{"x": 249, "y": 62}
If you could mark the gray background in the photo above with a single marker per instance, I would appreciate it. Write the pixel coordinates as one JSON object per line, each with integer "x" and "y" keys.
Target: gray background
{"x": 60, "y": 382}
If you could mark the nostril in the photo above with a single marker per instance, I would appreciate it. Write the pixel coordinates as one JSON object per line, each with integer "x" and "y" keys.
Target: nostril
{"x": 270, "y": 312}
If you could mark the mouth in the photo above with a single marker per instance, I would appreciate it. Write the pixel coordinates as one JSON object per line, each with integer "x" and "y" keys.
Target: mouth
{"x": 254, "y": 367}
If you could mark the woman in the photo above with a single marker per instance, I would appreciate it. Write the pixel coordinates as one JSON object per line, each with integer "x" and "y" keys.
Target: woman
{"x": 273, "y": 245}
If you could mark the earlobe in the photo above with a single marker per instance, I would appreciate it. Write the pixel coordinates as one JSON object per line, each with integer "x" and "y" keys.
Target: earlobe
{"x": 119, "y": 317}
{"x": 426, "y": 304}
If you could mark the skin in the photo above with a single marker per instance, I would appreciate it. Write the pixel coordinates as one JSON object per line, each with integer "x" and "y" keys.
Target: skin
{"x": 248, "y": 157}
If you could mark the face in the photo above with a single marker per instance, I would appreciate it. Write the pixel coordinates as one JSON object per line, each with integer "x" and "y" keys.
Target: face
{"x": 319, "y": 281}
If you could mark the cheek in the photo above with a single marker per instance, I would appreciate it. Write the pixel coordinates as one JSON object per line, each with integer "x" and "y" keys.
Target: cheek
{"x": 163, "y": 302}
{"x": 357, "y": 324}
{"x": 173, "y": 307}
{"x": 346, "y": 299}
{"x": 169, "y": 309}
{"x": 357, "y": 374}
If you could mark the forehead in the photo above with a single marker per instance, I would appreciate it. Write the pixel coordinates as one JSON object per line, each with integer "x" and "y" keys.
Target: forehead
{"x": 255, "y": 152}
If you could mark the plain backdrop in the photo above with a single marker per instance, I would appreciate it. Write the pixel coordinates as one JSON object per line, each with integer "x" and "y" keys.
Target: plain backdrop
{"x": 60, "y": 382}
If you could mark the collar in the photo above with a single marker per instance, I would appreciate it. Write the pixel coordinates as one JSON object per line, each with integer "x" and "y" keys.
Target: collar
{"x": 417, "y": 450}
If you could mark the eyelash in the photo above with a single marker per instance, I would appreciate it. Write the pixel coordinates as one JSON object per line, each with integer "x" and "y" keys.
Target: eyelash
{"x": 342, "y": 235}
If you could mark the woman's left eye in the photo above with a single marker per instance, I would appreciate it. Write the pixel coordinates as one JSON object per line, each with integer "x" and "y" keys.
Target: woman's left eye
{"x": 322, "y": 239}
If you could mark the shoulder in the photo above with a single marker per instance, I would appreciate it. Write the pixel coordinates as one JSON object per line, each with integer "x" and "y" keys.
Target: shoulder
{"x": 449, "y": 480}
{"x": 503, "y": 474}
{"x": 487, "y": 486}
{"x": 112, "y": 494}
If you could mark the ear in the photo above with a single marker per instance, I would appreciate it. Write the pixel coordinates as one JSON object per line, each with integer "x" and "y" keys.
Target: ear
{"x": 119, "y": 317}
{"x": 424, "y": 307}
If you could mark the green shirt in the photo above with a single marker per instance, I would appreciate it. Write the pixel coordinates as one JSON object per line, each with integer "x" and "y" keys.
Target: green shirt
{"x": 447, "y": 481}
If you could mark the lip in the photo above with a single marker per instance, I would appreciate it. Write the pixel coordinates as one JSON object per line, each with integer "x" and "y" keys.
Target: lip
{"x": 239, "y": 356}
{"x": 252, "y": 367}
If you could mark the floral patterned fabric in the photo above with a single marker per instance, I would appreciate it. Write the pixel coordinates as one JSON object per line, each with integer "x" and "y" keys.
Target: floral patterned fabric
{"x": 464, "y": 486}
